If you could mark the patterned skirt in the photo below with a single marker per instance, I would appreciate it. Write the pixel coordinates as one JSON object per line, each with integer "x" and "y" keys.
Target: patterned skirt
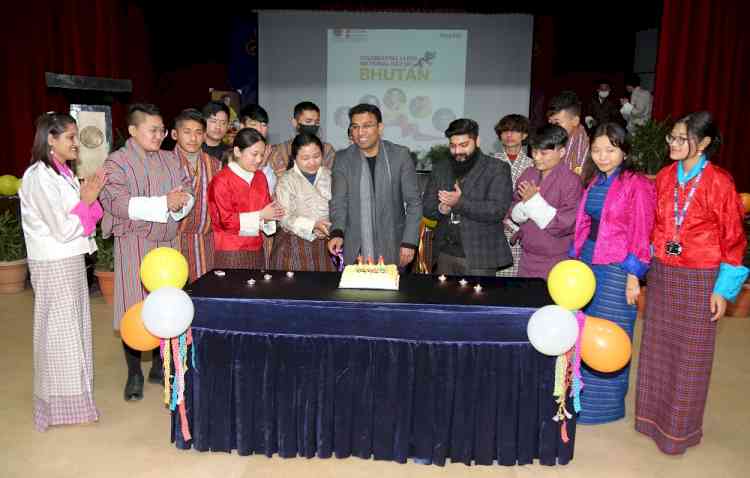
{"x": 240, "y": 259}
{"x": 603, "y": 394}
{"x": 677, "y": 351}
{"x": 515, "y": 250}
{"x": 63, "y": 356}
{"x": 198, "y": 249}
{"x": 292, "y": 253}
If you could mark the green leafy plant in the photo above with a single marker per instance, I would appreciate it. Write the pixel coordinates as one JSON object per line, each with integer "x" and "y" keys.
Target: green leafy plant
{"x": 105, "y": 255}
{"x": 649, "y": 147}
{"x": 12, "y": 244}
{"x": 437, "y": 153}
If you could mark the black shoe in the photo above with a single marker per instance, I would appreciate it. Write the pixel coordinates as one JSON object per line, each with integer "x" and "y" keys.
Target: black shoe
{"x": 134, "y": 388}
{"x": 156, "y": 375}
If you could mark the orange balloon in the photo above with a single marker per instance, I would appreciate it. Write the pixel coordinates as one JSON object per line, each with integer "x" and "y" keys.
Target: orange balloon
{"x": 745, "y": 197}
{"x": 605, "y": 346}
{"x": 133, "y": 331}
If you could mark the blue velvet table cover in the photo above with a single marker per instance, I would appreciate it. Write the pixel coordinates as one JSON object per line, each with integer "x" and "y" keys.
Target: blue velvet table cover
{"x": 434, "y": 371}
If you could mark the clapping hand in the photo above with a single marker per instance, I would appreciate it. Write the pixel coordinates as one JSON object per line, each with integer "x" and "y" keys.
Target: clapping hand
{"x": 450, "y": 198}
{"x": 321, "y": 228}
{"x": 176, "y": 199}
{"x": 527, "y": 190}
{"x": 92, "y": 186}
{"x": 272, "y": 212}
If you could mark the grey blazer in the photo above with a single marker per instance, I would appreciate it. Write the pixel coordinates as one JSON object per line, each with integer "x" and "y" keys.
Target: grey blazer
{"x": 398, "y": 205}
{"x": 487, "y": 191}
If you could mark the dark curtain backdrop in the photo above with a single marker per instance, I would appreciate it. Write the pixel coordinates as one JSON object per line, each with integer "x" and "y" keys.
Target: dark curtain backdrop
{"x": 704, "y": 64}
{"x": 77, "y": 37}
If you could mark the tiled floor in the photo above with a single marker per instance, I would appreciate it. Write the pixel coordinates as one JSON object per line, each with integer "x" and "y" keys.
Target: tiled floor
{"x": 132, "y": 439}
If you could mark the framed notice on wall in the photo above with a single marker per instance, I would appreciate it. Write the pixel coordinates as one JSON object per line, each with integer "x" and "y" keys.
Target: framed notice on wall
{"x": 95, "y": 135}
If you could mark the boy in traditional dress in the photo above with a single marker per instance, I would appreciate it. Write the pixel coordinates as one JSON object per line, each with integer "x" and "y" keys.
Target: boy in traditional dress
{"x": 195, "y": 236}
{"x": 565, "y": 110}
{"x": 306, "y": 119}
{"x": 146, "y": 194}
{"x": 545, "y": 204}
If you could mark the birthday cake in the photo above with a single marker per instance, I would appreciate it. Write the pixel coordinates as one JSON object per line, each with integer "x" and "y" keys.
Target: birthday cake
{"x": 370, "y": 276}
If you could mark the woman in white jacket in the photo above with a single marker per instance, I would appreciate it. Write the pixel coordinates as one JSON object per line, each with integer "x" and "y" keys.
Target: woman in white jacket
{"x": 59, "y": 217}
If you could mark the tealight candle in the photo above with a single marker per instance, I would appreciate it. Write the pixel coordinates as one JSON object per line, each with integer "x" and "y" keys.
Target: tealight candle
{"x": 267, "y": 277}
{"x": 251, "y": 282}
{"x": 442, "y": 278}
{"x": 290, "y": 274}
{"x": 477, "y": 288}
{"x": 463, "y": 282}
{"x": 220, "y": 273}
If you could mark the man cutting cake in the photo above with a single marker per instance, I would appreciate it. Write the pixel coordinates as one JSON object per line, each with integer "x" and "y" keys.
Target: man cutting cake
{"x": 375, "y": 204}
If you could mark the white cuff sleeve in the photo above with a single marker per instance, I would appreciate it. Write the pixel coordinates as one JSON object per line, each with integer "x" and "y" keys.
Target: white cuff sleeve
{"x": 152, "y": 209}
{"x": 179, "y": 215}
{"x": 519, "y": 214}
{"x": 626, "y": 109}
{"x": 250, "y": 223}
{"x": 539, "y": 211}
{"x": 303, "y": 227}
{"x": 269, "y": 227}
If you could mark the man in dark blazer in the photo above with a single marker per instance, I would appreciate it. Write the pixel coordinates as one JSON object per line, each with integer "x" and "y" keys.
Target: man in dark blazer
{"x": 468, "y": 195}
{"x": 375, "y": 205}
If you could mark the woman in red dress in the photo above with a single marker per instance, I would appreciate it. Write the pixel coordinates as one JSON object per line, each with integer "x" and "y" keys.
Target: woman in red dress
{"x": 698, "y": 244}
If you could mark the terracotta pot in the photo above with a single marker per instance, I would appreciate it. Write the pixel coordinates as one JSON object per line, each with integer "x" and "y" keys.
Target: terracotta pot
{"x": 741, "y": 306}
{"x": 106, "y": 285}
{"x": 13, "y": 276}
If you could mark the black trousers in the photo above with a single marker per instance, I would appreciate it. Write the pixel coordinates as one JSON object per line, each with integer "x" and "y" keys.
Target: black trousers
{"x": 133, "y": 359}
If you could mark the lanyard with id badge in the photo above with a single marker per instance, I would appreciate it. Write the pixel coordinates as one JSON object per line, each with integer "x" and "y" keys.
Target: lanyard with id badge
{"x": 674, "y": 247}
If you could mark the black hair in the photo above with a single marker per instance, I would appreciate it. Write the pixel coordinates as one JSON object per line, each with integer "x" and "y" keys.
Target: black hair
{"x": 137, "y": 111}
{"x": 549, "y": 136}
{"x": 302, "y": 140}
{"x": 462, "y": 126}
{"x": 618, "y": 136}
{"x": 213, "y": 107}
{"x": 565, "y": 101}
{"x": 699, "y": 125}
{"x": 254, "y": 113}
{"x": 189, "y": 114}
{"x": 300, "y": 108}
{"x": 48, "y": 124}
{"x": 366, "y": 108}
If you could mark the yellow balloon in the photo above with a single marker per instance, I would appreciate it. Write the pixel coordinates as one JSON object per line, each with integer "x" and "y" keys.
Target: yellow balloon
{"x": 164, "y": 267}
{"x": 571, "y": 284}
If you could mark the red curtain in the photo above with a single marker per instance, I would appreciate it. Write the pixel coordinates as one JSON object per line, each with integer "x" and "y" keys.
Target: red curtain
{"x": 704, "y": 64}
{"x": 78, "y": 37}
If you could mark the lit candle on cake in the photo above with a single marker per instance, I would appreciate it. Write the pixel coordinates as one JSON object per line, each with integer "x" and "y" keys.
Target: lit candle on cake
{"x": 477, "y": 288}
{"x": 463, "y": 282}
{"x": 442, "y": 278}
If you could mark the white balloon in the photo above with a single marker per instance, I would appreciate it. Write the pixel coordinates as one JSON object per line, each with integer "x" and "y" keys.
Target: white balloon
{"x": 552, "y": 330}
{"x": 167, "y": 312}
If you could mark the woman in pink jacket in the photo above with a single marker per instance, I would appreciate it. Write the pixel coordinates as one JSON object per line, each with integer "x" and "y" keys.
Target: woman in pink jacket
{"x": 612, "y": 236}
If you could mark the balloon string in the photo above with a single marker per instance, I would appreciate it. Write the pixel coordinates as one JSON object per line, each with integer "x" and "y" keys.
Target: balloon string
{"x": 577, "y": 387}
{"x": 166, "y": 359}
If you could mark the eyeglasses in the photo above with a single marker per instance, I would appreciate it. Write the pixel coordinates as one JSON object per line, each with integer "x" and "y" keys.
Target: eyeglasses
{"x": 357, "y": 127}
{"x": 676, "y": 140}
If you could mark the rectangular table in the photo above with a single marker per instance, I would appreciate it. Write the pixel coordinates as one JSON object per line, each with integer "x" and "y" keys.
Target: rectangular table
{"x": 434, "y": 371}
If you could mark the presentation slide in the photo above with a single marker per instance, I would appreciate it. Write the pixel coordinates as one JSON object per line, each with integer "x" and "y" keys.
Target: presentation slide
{"x": 416, "y": 77}
{"x": 422, "y": 70}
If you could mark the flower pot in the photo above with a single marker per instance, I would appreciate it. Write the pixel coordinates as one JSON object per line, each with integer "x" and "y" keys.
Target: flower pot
{"x": 13, "y": 276}
{"x": 741, "y": 305}
{"x": 106, "y": 285}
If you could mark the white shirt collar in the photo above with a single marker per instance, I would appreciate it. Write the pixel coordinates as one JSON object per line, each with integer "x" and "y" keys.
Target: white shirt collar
{"x": 237, "y": 169}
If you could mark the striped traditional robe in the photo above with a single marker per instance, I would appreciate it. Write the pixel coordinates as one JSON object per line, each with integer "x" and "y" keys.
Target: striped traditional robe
{"x": 577, "y": 149}
{"x": 195, "y": 235}
{"x": 517, "y": 167}
{"x": 131, "y": 172}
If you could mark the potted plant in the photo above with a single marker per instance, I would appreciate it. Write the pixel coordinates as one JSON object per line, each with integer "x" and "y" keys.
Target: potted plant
{"x": 649, "y": 147}
{"x": 13, "y": 266}
{"x": 105, "y": 265}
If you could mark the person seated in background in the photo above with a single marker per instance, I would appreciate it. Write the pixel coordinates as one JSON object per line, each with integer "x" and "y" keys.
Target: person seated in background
{"x": 305, "y": 119}
{"x": 545, "y": 204}
{"x": 636, "y": 109}
{"x": 240, "y": 206}
{"x": 565, "y": 110}
{"x": 303, "y": 192}
{"x": 603, "y": 108}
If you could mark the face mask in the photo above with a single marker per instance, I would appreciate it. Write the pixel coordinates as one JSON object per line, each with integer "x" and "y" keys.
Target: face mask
{"x": 309, "y": 129}
{"x": 603, "y": 94}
